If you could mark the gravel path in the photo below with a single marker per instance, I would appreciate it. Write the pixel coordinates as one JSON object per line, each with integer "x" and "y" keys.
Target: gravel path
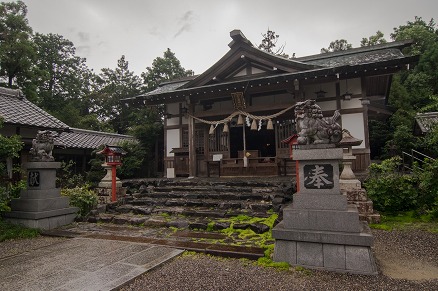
{"x": 407, "y": 260}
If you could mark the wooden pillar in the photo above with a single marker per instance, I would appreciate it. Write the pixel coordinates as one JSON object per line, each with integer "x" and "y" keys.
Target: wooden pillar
{"x": 192, "y": 148}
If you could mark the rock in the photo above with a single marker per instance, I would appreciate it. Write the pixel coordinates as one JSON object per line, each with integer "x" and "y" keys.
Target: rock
{"x": 124, "y": 208}
{"x": 221, "y": 225}
{"x": 92, "y": 219}
{"x": 241, "y": 225}
{"x": 137, "y": 220}
{"x": 198, "y": 225}
{"x": 121, "y": 220}
{"x": 142, "y": 210}
{"x": 259, "y": 227}
{"x": 178, "y": 224}
{"x": 106, "y": 219}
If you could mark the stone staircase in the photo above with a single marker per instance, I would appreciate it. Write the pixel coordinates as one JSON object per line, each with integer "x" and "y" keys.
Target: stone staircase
{"x": 193, "y": 203}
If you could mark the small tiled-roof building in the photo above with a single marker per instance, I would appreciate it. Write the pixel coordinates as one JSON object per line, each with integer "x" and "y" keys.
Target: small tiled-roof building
{"x": 424, "y": 122}
{"x": 22, "y": 117}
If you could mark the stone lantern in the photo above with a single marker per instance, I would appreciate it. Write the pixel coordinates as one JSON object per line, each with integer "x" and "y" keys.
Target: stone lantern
{"x": 347, "y": 178}
{"x": 113, "y": 158}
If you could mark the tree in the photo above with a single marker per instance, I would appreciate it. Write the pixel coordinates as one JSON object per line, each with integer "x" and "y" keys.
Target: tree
{"x": 424, "y": 35}
{"x": 269, "y": 42}
{"x": 62, "y": 79}
{"x": 115, "y": 85}
{"x": 374, "y": 39}
{"x": 17, "y": 51}
{"x": 164, "y": 69}
{"x": 337, "y": 45}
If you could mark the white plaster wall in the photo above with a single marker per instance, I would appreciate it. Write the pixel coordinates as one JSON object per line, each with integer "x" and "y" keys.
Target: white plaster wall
{"x": 241, "y": 73}
{"x": 354, "y": 123}
{"x": 349, "y": 104}
{"x": 256, "y": 71}
{"x": 327, "y": 105}
{"x": 172, "y": 141}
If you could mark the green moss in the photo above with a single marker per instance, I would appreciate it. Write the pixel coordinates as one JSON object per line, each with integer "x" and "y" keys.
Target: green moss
{"x": 12, "y": 231}
{"x": 267, "y": 262}
{"x": 210, "y": 226}
{"x": 405, "y": 221}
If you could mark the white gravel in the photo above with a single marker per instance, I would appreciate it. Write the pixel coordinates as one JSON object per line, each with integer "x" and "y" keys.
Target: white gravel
{"x": 202, "y": 272}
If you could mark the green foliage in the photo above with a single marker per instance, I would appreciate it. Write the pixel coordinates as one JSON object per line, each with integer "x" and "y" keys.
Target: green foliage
{"x": 17, "y": 51}
{"x": 393, "y": 192}
{"x": 269, "y": 42}
{"x": 12, "y": 231}
{"x": 374, "y": 39}
{"x": 379, "y": 135}
{"x": 96, "y": 172}
{"x": 132, "y": 161}
{"x": 164, "y": 69}
{"x": 66, "y": 178}
{"x": 83, "y": 198}
{"x": 423, "y": 34}
{"x": 428, "y": 186}
{"x": 405, "y": 221}
{"x": 337, "y": 45}
{"x": 390, "y": 190}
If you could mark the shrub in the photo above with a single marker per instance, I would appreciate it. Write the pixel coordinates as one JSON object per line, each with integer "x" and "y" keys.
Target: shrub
{"x": 83, "y": 198}
{"x": 390, "y": 190}
{"x": 66, "y": 178}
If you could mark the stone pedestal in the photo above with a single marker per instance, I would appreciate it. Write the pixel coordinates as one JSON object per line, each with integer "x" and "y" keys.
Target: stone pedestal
{"x": 41, "y": 204}
{"x": 104, "y": 191}
{"x": 351, "y": 187}
{"x": 320, "y": 230}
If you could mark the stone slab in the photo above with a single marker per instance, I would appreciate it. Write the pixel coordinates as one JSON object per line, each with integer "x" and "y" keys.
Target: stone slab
{"x": 318, "y": 154}
{"x": 40, "y": 205}
{"x": 310, "y": 254}
{"x": 51, "y": 222}
{"x": 42, "y": 165}
{"x": 322, "y": 220}
{"x": 320, "y": 202}
{"x": 362, "y": 238}
{"x": 40, "y": 194}
{"x": 330, "y": 257}
{"x": 50, "y": 268}
{"x": 330, "y": 168}
{"x": 42, "y": 214}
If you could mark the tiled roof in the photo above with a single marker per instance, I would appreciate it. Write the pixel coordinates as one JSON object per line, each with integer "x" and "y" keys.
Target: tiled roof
{"x": 88, "y": 139}
{"x": 358, "y": 58}
{"x": 425, "y": 121}
{"x": 16, "y": 109}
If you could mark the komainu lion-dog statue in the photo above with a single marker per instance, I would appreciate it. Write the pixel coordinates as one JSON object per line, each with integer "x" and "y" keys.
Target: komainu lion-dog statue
{"x": 313, "y": 128}
{"x": 42, "y": 146}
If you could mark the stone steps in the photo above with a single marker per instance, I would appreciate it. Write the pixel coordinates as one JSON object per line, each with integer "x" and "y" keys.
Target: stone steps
{"x": 192, "y": 204}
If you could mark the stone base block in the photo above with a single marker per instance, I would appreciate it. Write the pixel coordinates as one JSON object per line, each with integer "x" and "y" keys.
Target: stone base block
{"x": 324, "y": 220}
{"x": 320, "y": 202}
{"x": 330, "y": 257}
{"x": 44, "y": 223}
{"x": 362, "y": 238}
{"x": 39, "y": 205}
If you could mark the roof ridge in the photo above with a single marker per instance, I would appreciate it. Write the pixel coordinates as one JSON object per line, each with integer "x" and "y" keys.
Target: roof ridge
{"x": 81, "y": 130}
{"x": 12, "y": 92}
{"x": 388, "y": 45}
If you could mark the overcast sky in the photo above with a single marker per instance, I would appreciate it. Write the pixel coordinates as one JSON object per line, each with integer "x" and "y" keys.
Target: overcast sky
{"x": 198, "y": 31}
